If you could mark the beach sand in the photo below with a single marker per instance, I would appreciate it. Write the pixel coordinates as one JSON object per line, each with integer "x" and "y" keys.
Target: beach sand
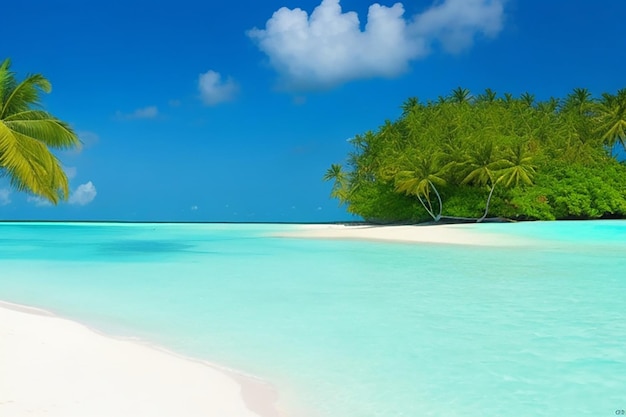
{"x": 50, "y": 366}
{"x": 457, "y": 234}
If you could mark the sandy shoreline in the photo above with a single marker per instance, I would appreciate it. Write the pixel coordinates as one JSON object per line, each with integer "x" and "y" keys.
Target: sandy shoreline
{"x": 50, "y": 366}
{"x": 455, "y": 234}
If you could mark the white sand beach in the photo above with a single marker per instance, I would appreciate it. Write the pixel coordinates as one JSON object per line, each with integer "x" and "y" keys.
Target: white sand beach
{"x": 458, "y": 234}
{"x": 50, "y": 366}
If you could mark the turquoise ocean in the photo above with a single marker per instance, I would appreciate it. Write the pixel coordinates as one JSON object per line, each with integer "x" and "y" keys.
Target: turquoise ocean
{"x": 353, "y": 328}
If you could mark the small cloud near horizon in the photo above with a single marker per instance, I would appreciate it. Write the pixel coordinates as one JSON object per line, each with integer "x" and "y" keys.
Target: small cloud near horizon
{"x": 87, "y": 140}
{"x": 38, "y": 201}
{"x": 328, "y": 48}
{"x": 214, "y": 90}
{"x": 84, "y": 194}
{"x": 150, "y": 112}
{"x": 5, "y": 196}
{"x": 70, "y": 172}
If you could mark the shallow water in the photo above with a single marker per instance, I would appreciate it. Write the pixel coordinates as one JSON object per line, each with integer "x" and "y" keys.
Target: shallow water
{"x": 348, "y": 328}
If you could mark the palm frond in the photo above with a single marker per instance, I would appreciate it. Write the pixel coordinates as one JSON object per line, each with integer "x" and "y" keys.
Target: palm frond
{"x": 31, "y": 166}
{"x": 25, "y": 95}
{"x": 42, "y": 126}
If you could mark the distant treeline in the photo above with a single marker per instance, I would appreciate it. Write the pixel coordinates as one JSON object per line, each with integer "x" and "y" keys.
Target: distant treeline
{"x": 490, "y": 155}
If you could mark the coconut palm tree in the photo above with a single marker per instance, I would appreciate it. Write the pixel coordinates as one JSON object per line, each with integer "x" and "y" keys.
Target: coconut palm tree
{"x": 489, "y": 96}
{"x": 579, "y": 100}
{"x": 27, "y": 135}
{"x": 339, "y": 191}
{"x": 519, "y": 167}
{"x": 409, "y": 104}
{"x": 612, "y": 117}
{"x": 527, "y": 99}
{"x": 461, "y": 95}
{"x": 422, "y": 175}
{"x": 483, "y": 166}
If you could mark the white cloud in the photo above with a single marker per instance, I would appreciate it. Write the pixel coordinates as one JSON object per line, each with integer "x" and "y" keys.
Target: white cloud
{"x": 329, "y": 48}
{"x": 149, "y": 112}
{"x": 38, "y": 201}
{"x": 84, "y": 194}
{"x": 5, "y": 196}
{"x": 70, "y": 172}
{"x": 214, "y": 90}
{"x": 455, "y": 23}
{"x": 88, "y": 139}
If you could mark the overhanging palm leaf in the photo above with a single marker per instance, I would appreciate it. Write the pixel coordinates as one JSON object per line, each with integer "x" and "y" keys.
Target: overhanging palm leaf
{"x": 26, "y": 134}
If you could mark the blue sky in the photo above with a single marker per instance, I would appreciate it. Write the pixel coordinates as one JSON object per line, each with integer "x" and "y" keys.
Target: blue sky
{"x": 232, "y": 111}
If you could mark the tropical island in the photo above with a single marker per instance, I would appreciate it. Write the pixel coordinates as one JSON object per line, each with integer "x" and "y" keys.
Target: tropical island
{"x": 465, "y": 157}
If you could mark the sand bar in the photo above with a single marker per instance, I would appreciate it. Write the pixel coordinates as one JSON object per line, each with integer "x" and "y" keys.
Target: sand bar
{"x": 456, "y": 234}
{"x": 50, "y": 366}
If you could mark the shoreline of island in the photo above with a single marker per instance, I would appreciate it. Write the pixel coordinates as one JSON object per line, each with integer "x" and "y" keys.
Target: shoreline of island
{"x": 451, "y": 234}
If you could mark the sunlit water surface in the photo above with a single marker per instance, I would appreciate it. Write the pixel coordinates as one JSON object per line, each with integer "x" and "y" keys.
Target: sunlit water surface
{"x": 349, "y": 328}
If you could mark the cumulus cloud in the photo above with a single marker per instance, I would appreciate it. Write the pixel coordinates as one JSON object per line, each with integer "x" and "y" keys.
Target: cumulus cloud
{"x": 150, "y": 112}
{"x": 38, "y": 201}
{"x": 329, "y": 47}
{"x": 455, "y": 23}
{"x": 5, "y": 196}
{"x": 215, "y": 90}
{"x": 87, "y": 140}
{"x": 70, "y": 172}
{"x": 84, "y": 194}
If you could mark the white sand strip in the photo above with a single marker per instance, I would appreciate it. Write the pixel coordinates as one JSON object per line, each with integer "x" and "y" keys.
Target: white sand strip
{"x": 50, "y": 366}
{"x": 457, "y": 234}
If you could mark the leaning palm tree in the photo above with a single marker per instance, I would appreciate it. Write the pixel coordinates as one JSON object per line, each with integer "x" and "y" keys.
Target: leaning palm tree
{"x": 612, "y": 115}
{"x": 339, "y": 191}
{"x": 419, "y": 177}
{"x": 483, "y": 168}
{"x": 27, "y": 135}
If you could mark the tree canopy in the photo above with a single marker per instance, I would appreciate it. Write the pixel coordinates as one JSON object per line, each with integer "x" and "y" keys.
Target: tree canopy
{"x": 28, "y": 135}
{"x": 489, "y": 155}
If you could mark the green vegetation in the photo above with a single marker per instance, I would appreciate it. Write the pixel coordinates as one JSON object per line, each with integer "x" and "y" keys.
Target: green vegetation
{"x": 27, "y": 135}
{"x": 472, "y": 157}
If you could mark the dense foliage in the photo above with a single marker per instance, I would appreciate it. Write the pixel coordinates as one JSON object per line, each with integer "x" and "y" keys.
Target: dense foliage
{"x": 27, "y": 135}
{"x": 465, "y": 156}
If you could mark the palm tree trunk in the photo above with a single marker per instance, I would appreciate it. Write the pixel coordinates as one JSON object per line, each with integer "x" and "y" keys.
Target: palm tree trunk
{"x": 493, "y": 187}
{"x": 426, "y": 208}
{"x": 438, "y": 198}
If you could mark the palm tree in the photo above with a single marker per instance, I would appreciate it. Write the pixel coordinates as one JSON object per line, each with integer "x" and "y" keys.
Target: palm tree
{"x": 409, "y": 104}
{"x": 519, "y": 167}
{"x": 579, "y": 100}
{"x": 461, "y": 95}
{"x": 528, "y": 99}
{"x": 613, "y": 119}
{"x": 489, "y": 96}
{"x": 339, "y": 191}
{"x": 27, "y": 134}
{"x": 484, "y": 167}
{"x": 419, "y": 179}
